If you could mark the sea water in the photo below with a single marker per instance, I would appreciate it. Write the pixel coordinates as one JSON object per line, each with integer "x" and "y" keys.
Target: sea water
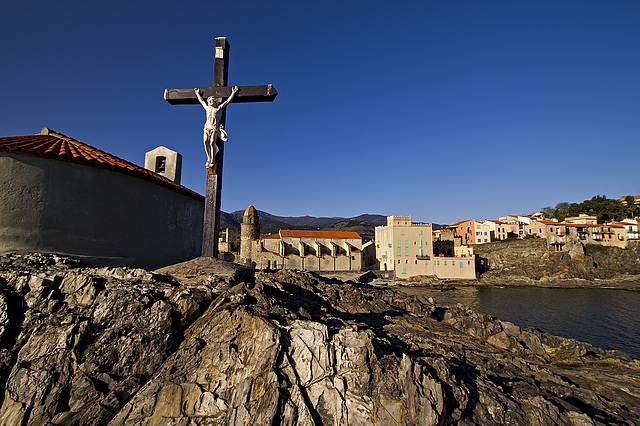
{"x": 606, "y": 318}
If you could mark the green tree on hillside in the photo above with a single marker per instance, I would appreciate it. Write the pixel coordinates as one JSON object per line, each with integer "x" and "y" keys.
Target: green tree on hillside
{"x": 631, "y": 205}
{"x": 560, "y": 211}
{"x": 606, "y": 210}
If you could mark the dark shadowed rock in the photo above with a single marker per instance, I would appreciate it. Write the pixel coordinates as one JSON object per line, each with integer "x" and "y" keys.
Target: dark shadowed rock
{"x": 209, "y": 343}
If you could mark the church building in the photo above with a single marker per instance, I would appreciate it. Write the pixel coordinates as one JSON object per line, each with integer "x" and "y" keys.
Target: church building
{"x": 298, "y": 249}
{"x": 64, "y": 196}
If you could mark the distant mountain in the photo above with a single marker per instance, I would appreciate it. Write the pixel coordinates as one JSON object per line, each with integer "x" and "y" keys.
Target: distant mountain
{"x": 364, "y": 228}
{"x": 308, "y": 222}
{"x": 229, "y": 221}
{"x": 376, "y": 219}
{"x": 269, "y": 223}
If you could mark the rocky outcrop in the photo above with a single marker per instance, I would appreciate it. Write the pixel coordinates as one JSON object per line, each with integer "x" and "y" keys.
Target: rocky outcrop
{"x": 532, "y": 260}
{"x": 206, "y": 342}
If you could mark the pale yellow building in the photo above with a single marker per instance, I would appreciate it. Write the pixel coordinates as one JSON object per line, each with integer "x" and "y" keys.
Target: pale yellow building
{"x": 407, "y": 249}
{"x": 497, "y": 230}
{"x": 582, "y": 219}
{"x": 483, "y": 232}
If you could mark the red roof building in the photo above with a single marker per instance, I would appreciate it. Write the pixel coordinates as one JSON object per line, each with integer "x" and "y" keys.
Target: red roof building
{"x": 306, "y": 249}
{"x": 53, "y": 145}
{"x": 65, "y": 196}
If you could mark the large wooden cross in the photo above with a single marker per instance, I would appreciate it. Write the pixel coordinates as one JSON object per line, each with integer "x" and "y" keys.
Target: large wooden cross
{"x": 220, "y": 91}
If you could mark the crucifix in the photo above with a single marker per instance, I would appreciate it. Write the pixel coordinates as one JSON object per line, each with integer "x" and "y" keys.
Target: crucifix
{"x": 218, "y": 96}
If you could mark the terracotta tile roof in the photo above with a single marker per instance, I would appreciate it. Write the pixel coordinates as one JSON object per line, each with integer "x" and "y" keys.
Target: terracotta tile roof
{"x": 459, "y": 223}
{"x": 270, "y": 236}
{"x": 286, "y": 233}
{"x": 56, "y": 146}
{"x": 549, "y": 222}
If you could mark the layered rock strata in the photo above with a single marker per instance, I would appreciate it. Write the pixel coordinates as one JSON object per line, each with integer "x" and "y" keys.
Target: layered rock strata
{"x": 531, "y": 262}
{"x": 207, "y": 342}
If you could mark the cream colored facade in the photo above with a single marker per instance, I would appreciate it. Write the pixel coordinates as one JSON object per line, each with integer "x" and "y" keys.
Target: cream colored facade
{"x": 308, "y": 250}
{"x": 516, "y": 225}
{"x": 582, "y": 219}
{"x": 483, "y": 232}
{"x": 544, "y": 228}
{"x": 499, "y": 229}
{"x": 614, "y": 235}
{"x": 407, "y": 249}
{"x": 631, "y": 226}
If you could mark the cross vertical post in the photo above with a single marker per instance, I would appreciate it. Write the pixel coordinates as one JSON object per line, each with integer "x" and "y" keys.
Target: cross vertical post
{"x": 213, "y": 191}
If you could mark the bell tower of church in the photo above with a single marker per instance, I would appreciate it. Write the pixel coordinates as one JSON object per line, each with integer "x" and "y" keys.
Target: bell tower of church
{"x": 249, "y": 231}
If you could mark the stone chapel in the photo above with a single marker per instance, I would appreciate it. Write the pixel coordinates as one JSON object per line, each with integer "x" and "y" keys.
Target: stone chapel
{"x": 64, "y": 196}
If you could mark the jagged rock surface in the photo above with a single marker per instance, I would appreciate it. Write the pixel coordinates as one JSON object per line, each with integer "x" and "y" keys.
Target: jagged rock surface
{"x": 123, "y": 346}
{"x": 532, "y": 260}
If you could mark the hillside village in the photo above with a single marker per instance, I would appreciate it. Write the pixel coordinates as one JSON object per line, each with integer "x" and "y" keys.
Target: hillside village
{"x": 406, "y": 249}
{"x": 447, "y": 253}
{"x": 583, "y": 228}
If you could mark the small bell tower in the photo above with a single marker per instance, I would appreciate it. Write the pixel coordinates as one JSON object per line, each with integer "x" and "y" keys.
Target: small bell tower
{"x": 165, "y": 162}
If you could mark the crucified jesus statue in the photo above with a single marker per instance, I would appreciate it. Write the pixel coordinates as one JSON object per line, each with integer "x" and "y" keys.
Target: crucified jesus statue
{"x": 212, "y": 127}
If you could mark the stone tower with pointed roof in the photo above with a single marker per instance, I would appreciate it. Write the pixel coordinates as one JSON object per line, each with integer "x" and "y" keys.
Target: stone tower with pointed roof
{"x": 249, "y": 231}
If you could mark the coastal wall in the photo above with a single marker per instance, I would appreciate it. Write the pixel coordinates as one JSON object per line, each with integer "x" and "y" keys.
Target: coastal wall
{"x": 107, "y": 216}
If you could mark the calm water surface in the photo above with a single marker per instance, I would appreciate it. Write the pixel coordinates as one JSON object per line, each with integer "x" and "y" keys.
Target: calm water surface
{"x": 609, "y": 319}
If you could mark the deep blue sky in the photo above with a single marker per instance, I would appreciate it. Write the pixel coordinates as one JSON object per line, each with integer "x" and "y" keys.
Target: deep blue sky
{"x": 443, "y": 110}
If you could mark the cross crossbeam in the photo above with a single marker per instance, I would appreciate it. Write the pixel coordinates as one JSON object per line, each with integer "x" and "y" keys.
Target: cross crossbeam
{"x": 266, "y": 93}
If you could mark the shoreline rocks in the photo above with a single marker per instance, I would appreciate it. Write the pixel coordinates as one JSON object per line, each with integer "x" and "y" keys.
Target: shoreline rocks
{"x": 183, "y": 346}
{"x": 630, "y": 283}
{"x": 531, "y": 259}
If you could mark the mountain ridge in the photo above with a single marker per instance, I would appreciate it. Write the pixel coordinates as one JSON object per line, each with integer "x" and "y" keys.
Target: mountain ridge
{"x": 311, "y": 221}
{"x": 363, "y": 224}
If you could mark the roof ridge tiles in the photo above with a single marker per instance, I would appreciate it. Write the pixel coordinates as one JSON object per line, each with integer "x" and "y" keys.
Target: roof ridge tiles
{"x": 64, "y": 149}
{"x": 54, "y": 145}
{"x": 75, "y": 153}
